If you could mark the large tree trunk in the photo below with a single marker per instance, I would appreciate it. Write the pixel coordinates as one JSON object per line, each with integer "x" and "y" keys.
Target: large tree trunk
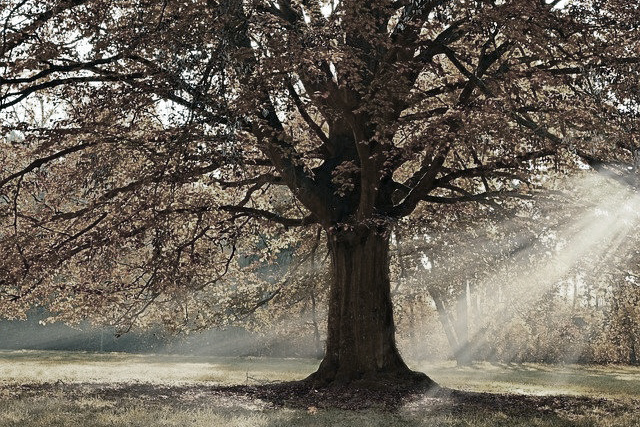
{"x": 361, "y": 344}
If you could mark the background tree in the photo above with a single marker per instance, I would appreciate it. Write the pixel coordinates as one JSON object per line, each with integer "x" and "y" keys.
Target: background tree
{"x": 552, "y": 282}
{"x": 190, "y": 132}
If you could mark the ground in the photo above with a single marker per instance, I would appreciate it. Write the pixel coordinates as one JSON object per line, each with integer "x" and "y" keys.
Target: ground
{"x": 57, "y": 388}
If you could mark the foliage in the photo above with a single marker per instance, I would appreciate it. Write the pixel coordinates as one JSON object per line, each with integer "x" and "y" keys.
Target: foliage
{"x": 187, "y": 141}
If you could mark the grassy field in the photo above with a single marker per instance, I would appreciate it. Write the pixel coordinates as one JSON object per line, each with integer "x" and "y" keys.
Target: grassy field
{"x": 85, "y": 389}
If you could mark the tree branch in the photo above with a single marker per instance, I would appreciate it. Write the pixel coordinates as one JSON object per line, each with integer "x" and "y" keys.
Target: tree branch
{"x": 44, "y": 160}
{"x": 270, "y": 216}
{"x": 25, "y": 33}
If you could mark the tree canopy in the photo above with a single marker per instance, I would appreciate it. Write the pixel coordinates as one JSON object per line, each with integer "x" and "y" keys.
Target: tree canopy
{"x": 153, "y": 150}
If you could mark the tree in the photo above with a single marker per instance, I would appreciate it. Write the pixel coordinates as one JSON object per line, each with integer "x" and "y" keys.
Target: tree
{"x": 189, "y": 129}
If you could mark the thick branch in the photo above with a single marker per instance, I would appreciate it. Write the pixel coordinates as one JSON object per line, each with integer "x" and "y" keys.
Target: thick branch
{"x": 317, "y": 130}
{"x": 476, "y": 197}
{"x": 20, "y": 95}
{"x": 39, "y": 162}
{"x": 489, "y": 167}
{"x": 421, "y": 182}
{"x": 178, "y": 177}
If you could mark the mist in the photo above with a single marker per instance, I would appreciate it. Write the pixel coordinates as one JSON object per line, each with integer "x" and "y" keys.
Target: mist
{"x": 546, "y": 277}
{"x": 531, "y": 286}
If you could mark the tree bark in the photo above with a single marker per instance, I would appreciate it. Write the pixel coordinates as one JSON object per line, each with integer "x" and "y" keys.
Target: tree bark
{"x": 445, "y": 321}
{"x": 463, "y": 351}
{"x": 361, "y": 345}
{"x": 316, "y": 330}
{"x": 456, "y": 329}
{"x": 633, "y": 356}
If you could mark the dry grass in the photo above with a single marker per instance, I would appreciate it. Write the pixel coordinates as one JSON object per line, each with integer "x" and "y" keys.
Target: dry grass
{"x": 51, "y": 366}
{"x": 612, "y": 381}
{"x": 140, "y": 390}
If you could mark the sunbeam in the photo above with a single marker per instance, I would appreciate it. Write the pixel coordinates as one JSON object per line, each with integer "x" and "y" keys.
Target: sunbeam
{"x": 517, "y": 272}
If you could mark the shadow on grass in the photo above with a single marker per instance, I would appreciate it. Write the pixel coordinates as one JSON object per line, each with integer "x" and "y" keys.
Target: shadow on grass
{"x": 301, "y": 395}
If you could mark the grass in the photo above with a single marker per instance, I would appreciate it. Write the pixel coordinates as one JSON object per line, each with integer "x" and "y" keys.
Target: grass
{"x": 611, "y": 381}
{"x": 51, "y": 366}
{"x": 84, "y": 389}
